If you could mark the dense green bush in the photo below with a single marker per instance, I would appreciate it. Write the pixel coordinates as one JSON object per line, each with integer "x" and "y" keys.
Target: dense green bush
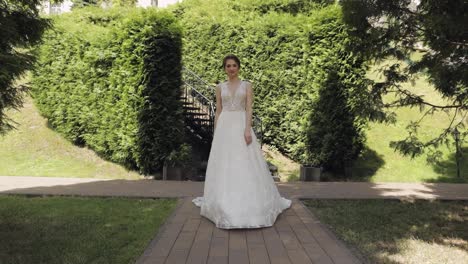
{"x": 294, "y": 52}
{"x": 110, "y": 79}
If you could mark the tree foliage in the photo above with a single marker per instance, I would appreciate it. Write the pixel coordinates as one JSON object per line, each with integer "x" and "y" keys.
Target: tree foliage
{"x": 397, "y": 29}
{"x": 113, "y": 3}
{"x": 84, "y": 3}
{"x": 21, "y": 27}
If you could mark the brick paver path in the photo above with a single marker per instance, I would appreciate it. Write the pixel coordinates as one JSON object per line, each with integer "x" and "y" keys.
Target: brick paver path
{"x": 186, "y": 237}
{"x": 296, "y": 237}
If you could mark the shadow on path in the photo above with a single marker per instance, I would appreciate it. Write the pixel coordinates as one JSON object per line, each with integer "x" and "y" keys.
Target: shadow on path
{"x": 157, "y": 188}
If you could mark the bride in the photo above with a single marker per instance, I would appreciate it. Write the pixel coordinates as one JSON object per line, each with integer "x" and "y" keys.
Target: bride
{"x": 239, "y": 191}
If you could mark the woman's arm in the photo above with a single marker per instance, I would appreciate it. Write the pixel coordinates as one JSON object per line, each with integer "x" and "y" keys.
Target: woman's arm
{"x": 219, "y": 104}
{"x": 248, "y": 114}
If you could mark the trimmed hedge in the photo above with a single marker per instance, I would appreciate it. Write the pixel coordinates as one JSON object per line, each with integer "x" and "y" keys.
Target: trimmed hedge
{"x": 293, "y": 52}
{"x": 110, "y": 80}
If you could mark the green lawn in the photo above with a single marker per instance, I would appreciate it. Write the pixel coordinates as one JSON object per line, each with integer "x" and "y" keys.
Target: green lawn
{"x": 380, "y": 162}
{"x": 33, "y": 149}
{"x": 390, "y": 231}
{"x": 78, "y": 230}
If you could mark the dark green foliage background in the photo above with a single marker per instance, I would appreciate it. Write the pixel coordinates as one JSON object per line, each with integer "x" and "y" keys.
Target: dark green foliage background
{"x": 110, "y": 79}
{"x": 293, "y": 52}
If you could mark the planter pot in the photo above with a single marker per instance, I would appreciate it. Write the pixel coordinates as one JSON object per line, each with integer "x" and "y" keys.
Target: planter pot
{"x": 348, "y": 172}
{"x": 310, "y": 173}
{"x": 173, "y": 173}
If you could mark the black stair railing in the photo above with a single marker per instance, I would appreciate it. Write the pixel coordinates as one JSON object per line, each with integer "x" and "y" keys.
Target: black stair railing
{"x": 198, "y": 99}
{"x": 199, "y": 109}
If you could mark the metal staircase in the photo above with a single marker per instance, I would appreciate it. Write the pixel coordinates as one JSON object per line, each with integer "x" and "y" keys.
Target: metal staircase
{"x": 199, "y": 107}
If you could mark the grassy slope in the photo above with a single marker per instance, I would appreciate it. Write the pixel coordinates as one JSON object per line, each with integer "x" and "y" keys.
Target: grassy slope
{"x": 33, "y": 149}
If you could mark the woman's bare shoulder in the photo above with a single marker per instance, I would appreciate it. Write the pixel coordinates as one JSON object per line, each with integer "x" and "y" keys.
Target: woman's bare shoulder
{"x": 248, "y": 83}
{"x": 219, "y": 85}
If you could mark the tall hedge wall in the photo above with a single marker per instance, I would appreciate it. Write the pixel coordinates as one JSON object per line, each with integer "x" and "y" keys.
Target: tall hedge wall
{"x": 109, "y": 79}
{"x": 291, "y": 50}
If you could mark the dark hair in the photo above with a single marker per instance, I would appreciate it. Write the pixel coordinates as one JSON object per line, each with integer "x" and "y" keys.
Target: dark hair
{"x": 231, "y": 57}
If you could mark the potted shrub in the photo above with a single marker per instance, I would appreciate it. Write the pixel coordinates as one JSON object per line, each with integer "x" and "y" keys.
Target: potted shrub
{"x": 177, "y": 162}
{"x": 311, "y": 170}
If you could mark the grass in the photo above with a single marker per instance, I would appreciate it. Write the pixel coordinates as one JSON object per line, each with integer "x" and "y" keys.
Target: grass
{"x": 381, "y": 163}
{"x": 33, "y": 149}
{"x": 78, "y": 230}
{"x": 288, "y": 170}
{"x": 391, "y": 231}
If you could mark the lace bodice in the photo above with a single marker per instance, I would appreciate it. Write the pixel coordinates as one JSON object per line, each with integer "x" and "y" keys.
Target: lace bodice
{"x": 234, "y": 101}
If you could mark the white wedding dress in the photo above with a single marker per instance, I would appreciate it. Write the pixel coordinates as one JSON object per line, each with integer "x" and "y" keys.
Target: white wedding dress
{"x": 239, "y": 190}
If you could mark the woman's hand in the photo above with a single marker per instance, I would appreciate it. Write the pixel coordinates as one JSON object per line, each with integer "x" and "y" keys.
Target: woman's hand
{"x": 248, "y": 137}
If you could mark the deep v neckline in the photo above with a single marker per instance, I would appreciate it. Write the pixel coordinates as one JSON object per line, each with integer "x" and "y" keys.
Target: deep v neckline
{"x": 232, "y": 94}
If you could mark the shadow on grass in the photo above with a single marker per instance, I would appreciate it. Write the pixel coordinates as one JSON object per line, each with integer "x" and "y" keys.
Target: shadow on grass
{"x": 392, "y": 231}
{"x": 447, "y": 169}
{"x": 363, "y": 168}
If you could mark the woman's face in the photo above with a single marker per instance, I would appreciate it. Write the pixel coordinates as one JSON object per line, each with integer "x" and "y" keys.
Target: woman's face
{"x": 231, "y": 68}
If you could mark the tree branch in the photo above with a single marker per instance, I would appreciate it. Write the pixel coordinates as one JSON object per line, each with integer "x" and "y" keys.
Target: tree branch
{"x": 421, "y": 101}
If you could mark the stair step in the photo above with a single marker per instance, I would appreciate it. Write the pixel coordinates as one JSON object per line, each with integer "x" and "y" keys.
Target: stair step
{"x": 191, "y": 116}
{"x": 196, "y": 114}
{"x": 191, "y": 108}
{"x": 200, "y": 119}
{"x": 203, "y": 137}
{"x": 203, "y": 128}
{"x": 195, "y": 117}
